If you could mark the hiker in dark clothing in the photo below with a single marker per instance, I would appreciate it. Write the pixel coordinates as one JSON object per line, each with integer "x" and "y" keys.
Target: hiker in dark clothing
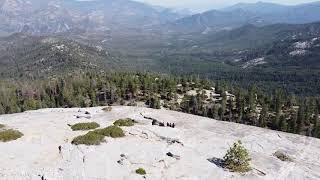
{"x": 173, "y": 125}
{"x": 42, "y": 177}
{"x": 169, "y": 154}
{"x": 168, "y": 124}
{"x": 60, "y": 148}
{"x": 154, "y": 122}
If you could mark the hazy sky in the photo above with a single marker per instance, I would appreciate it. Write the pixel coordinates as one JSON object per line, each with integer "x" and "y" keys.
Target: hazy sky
{"x": 201, "y": 5}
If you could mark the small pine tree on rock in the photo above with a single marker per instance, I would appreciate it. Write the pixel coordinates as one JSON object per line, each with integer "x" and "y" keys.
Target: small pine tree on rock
{"x": 237, "y": 158}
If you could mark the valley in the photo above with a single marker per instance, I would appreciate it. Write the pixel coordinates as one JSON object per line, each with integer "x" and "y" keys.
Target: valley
{"x": 167, "y": 42}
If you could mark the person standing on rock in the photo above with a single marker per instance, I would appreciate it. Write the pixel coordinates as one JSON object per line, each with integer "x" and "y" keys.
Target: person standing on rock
{"x": 60, "y": 149}
{"x": 41, "y": 176}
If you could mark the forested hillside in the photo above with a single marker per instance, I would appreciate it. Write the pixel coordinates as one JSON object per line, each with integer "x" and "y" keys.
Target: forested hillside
{"x": 32, "y": 56}
{"x": 187, "y": 94}
{"x": 276, "y": 56}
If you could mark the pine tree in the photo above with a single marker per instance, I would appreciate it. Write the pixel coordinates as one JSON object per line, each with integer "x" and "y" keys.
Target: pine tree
{"x": 193, "y": 103}
{"x": 215, "y": 112}
{"x": 263, "y": 116}
{"x": 316, "y": 124}
{"x": 155, "y": 103}
{"x": 158, "y": 105}
{"x": 31, "y": 104}
{"x": 283, "y": 123}
{"x": 292, "y": 128}
{"x": 252, "y": 99}
{"x": 317, "y": 131}
{"x": 237, "y": 158}
{"x": 60, "y": 92}
{"x": 300, "y": 120}
{"x": 230, "y": 109}
{"x": 292, "y": 100}
{"x": 222, "y": 109}
{"x": 239, "y": 106}
{"x": 2, "y": 110}
{"x": 275, "y": 121}
{"x": 93, "y": 97}
{"x": 307, "y": 110}
{"x": 278, "y": 101}
{"x": 205, "y": 112}
{"x": 210, "y": 113}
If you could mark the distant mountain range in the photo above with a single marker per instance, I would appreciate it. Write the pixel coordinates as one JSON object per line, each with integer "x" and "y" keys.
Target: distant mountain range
{"x": 247, "y": 47}
{"x": 54, "y": 16}
{"x": 259, "y": 14}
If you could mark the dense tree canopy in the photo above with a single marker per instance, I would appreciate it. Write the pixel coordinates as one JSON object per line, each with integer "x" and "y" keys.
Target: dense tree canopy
{"x": 188, "y": 94}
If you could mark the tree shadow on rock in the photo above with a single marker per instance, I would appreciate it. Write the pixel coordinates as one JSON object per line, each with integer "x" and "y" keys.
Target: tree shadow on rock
{"x": 217, "y": 161}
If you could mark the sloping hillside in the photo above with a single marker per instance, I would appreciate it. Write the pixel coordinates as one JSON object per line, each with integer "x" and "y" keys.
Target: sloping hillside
{"x": 194, "y": 143}
{"x": 279, "y": 44}
{"x": 30, "y": 55}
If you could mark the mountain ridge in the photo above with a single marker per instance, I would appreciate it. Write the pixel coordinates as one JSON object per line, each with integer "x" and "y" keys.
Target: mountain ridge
{"x": 259, "y": 14}
{"x": 54, "y": 16}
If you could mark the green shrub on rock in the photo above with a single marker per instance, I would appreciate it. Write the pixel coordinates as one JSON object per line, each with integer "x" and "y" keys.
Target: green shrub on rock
{"x": 124, "y": 122}
{"x": 10, "y": 135}
{"x": 107, "y": 109}
{"x": 2, "y": 126}
{"x": 91, "y": 138}
{"x": 237, "y": 158}
{"x": 282, "y": 156}
{"x": 141, "y": 171}
{"x": 84, "y": 126}
{"x": 111, "y": 131}
{"x": 97, "y": 136}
